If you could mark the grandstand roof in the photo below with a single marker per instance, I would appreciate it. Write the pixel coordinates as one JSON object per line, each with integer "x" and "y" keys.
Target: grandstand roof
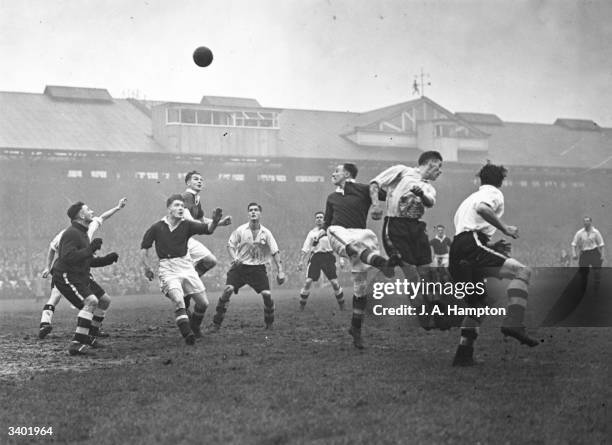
{"x": 222, "y": 101}
{"x": 480, "y": 118}
{"x": 38, "y": 121}
{"x": 517, "y": 143}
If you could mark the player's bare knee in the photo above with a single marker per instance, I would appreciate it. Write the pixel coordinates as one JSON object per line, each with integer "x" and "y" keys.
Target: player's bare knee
{"x": 360, "y": 284}
{"x": 104, "y": 302}
{"x": 227, "y": 292}
{"x": 523, "y": 273}
{"x": 308, "y": 283}
{"x": 335, "y": 284}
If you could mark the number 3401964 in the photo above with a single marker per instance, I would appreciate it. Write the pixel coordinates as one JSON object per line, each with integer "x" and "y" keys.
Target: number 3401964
{"x": 30, "y": 431}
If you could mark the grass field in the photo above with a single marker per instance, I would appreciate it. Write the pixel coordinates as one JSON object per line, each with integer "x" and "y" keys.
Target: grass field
{"x": 303, "y": 382}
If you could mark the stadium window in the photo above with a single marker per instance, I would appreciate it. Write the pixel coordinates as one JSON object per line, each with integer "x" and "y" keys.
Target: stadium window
{"x": 266, "y": 178}
{"x": 140, "y": 175}
{"x": 75, "y": 173}
{"x": 281, "y": 178}
{"x": 98, "y": 174}
{"x": 166, "y": 175}
{"x": 535, "y": 183}
{"x": 188, "y": 116}
{"x": 309, "y": 179}
{"x": 152, "y": 175}
{"x": 224, "y": 177}
{"x": 172, "y": 115}
{"x": 524, "y": 183}
{"x": 220, "y": 118}
{"x": 238, "y": 177}
{"x": 204, "y": 117}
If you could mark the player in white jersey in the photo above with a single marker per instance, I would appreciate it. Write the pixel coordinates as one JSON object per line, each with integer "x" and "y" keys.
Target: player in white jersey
{"x": 320, "y": 258}
{"x": 473, "y": 258}
{"x": 49, "y": 307}
{"x": 251, "y": 246}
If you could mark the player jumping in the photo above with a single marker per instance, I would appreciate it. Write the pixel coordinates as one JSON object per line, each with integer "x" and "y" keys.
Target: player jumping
{"x": 203, "y": 259}
{"x": 346, "y": 213}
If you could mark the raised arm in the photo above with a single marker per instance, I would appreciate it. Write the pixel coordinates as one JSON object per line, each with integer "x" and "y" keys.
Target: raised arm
{"x": 110, "y": 212}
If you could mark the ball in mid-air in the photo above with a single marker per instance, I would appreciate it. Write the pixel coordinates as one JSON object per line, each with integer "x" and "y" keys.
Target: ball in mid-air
{"x": 202, "y": 56}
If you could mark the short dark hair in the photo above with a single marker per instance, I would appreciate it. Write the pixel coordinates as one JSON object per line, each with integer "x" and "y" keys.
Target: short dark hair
{"x": 491, "y": 174}
{"x": 440, "y": 226}
{"x": 251, "y": 204}
{"x": 74, "y": 209}
{"x": 429, "y": 156}
{"x": 190, "y": 174}
{"x": 588, "y": 217}
{"x": 319, "y": 213}
{"x": 172, "y": 198}
{"x": 351, "y": 168}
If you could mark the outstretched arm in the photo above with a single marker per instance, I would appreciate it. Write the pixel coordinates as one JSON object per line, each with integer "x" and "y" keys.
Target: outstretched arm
{"x": 110, "y": 212}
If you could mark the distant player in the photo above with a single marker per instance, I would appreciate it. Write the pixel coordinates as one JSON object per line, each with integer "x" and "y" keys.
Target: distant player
{"x": 590, "y": 244}
{"x": 250, "y": 246}
{"x": 473, "y": 257}
{"x": 409, "y": 193}
{"x": 203, "y": 258}
{"x": 49, "y": 308}
{"x": 320, "y": 258}
{"x": 177, "y": 276}
{"x": 440, "y": 244}
{"x": 72, "y": 277}
{"x": 346, "y": 213}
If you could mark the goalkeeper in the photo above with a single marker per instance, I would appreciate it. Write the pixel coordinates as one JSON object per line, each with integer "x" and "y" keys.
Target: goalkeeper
{"x": 250, "y": 247}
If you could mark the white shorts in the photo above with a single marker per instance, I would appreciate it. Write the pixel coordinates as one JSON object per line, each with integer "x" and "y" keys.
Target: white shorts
{"x": 440, "y": 260}
{"x": 178, "y": 273}
{"x": 362, "y": 238}
{"x": 197, "y": 250}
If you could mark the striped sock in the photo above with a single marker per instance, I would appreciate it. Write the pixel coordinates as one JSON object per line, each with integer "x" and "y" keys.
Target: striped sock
{"x": 517, "y": 302}
{"x": 373, "y": 259}
{"x": 182, "y": 321}
{"x": 47, "y": 314}
{"x": 269, "y": 314}
{"x": 359, "y": 305}
{"x": 221, "y": 310}
{"x": 304, "y": 294}
{"x": 81, "y": 334}
{"x": 98, "y": 318}
{"x": 340, "y": 296}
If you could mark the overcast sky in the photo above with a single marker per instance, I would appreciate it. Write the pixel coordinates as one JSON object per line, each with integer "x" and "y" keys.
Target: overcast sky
{"x": 524, "y": 61}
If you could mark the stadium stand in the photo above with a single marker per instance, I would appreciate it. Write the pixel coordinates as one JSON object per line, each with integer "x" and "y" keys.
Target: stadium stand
{"x": 71, "y": 144}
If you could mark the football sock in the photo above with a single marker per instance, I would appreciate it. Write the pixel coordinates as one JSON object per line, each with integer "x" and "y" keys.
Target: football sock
{"x": 340, "y": 296}
{"x": 373, "y": 259}
{"x": 81, "y": 334}
{"x": 98, "y": 318}
{"x": 221, "y": 310}
{"x": 359, "y": 305}
{"x": 47, "y": 314}
{"x": 182, "y": 321}
{"x": 304, "y": 297}
{"x": 517, "y": 302}
{"x": 198, "y": 315}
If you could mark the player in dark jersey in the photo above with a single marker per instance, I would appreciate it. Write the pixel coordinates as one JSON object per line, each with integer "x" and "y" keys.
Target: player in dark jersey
{"x": 346, "y": 213}
{"x": 203, "y": 259}
{"x": 72, "y": 278}
{"x": 440, "y": 245}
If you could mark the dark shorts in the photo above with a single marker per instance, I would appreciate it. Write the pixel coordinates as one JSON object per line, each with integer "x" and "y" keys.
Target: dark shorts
{"x": 471, "y": 260}
{"x": 408, "y": 238}
{"x": 590, "y": 258}
{"x": 254, "y": 276}
{"x": 322, "y": 261}
{"x": 76, "y": 288}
